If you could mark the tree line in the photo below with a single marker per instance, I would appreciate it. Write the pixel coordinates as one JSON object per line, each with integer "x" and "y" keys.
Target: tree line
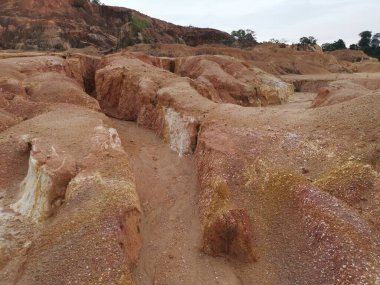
{"x": 369, "y": 43}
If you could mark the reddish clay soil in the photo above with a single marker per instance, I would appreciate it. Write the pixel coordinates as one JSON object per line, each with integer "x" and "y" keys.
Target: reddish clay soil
{"x": 171, "y": 231}
{"x": 199, "y": 189}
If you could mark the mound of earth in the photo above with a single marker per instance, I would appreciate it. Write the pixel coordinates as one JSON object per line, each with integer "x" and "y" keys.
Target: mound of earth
{"x": 312, "y": 82}
{"x": 64, "y": 24}
{"x": 338, "y": 91}
{"x": 370, "y": 67}
{"x": 351, "y": 55}
{"x": 68, "y": 198}
{"x": 33, "y": 85}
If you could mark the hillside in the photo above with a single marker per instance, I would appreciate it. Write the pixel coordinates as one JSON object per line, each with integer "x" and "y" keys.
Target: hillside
{"x": 63, "y": 24}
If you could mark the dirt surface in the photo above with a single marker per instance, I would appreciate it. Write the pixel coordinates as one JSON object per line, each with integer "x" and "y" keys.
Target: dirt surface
{"x": 171, "y": 229}
{"x": 196, "y": 191}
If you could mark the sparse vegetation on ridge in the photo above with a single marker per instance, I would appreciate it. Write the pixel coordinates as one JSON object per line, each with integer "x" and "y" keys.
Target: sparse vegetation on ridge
{"x": 244, "y": 37}
{"x": 339, "y": 44}
{"x": 138, "y": 24}
{"x": 308, "y": 40}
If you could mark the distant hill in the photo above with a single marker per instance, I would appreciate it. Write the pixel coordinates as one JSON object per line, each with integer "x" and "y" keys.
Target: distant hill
{"x": 63, "y": 24}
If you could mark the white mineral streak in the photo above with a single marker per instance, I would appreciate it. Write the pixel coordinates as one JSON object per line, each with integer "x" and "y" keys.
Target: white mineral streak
{"x": 178, "y": 127}
{"x": 35, "y": 189}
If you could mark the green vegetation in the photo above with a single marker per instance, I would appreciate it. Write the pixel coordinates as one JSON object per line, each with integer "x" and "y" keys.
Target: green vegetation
{"x": 96, "y": 2}
{"x": 244, "y": 37}
{"x": 138, "y": 24}
{"x": 133, "y": 34}
{"x": 369, "y": 43}
{"x": 365, "y": 39}
{"x": 339, "y": 44}
{"x": 308, "y": 41}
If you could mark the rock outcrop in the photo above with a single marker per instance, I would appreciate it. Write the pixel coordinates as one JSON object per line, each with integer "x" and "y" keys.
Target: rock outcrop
{"x": 129, "y": 88}
{"x": 231, "y": 81}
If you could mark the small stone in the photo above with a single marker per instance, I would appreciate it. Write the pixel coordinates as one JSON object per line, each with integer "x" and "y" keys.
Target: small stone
{"x": 304, "y": 170}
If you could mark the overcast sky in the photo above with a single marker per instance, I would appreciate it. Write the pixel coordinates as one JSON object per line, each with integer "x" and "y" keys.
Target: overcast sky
{"x": 327, "y": 20}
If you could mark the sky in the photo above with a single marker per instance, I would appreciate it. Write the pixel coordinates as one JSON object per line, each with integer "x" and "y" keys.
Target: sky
{"x": 326, "y": 20}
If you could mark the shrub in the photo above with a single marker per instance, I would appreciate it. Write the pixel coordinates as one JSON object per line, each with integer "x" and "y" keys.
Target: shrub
{"x": 308, "y": 40}
{"x": 244, "y": 35}
{"x": 245, "y": 38}
{"x": 339, "y": 44}
{"x": 138, "y": 24}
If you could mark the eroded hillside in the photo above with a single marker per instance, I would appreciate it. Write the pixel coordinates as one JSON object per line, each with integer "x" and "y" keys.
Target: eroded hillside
{"x": 64, "y": 24}
{"x": 242, "y": 181}
{"x": 180, "y": 160}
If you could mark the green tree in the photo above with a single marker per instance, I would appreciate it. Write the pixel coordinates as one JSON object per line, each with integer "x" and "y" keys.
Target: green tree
{"x": 370, "y": 44}
{"x": 244, "y": 35}
{"x": 375, "y": 42}
{"x": 238, "y": 35}
{"x": 354, "y": 47}
{"x": 339, "y": 44}
{"x": 245, "y": 38}
{"x": 365, "y": 39}
{"x": 308, "y": 40}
